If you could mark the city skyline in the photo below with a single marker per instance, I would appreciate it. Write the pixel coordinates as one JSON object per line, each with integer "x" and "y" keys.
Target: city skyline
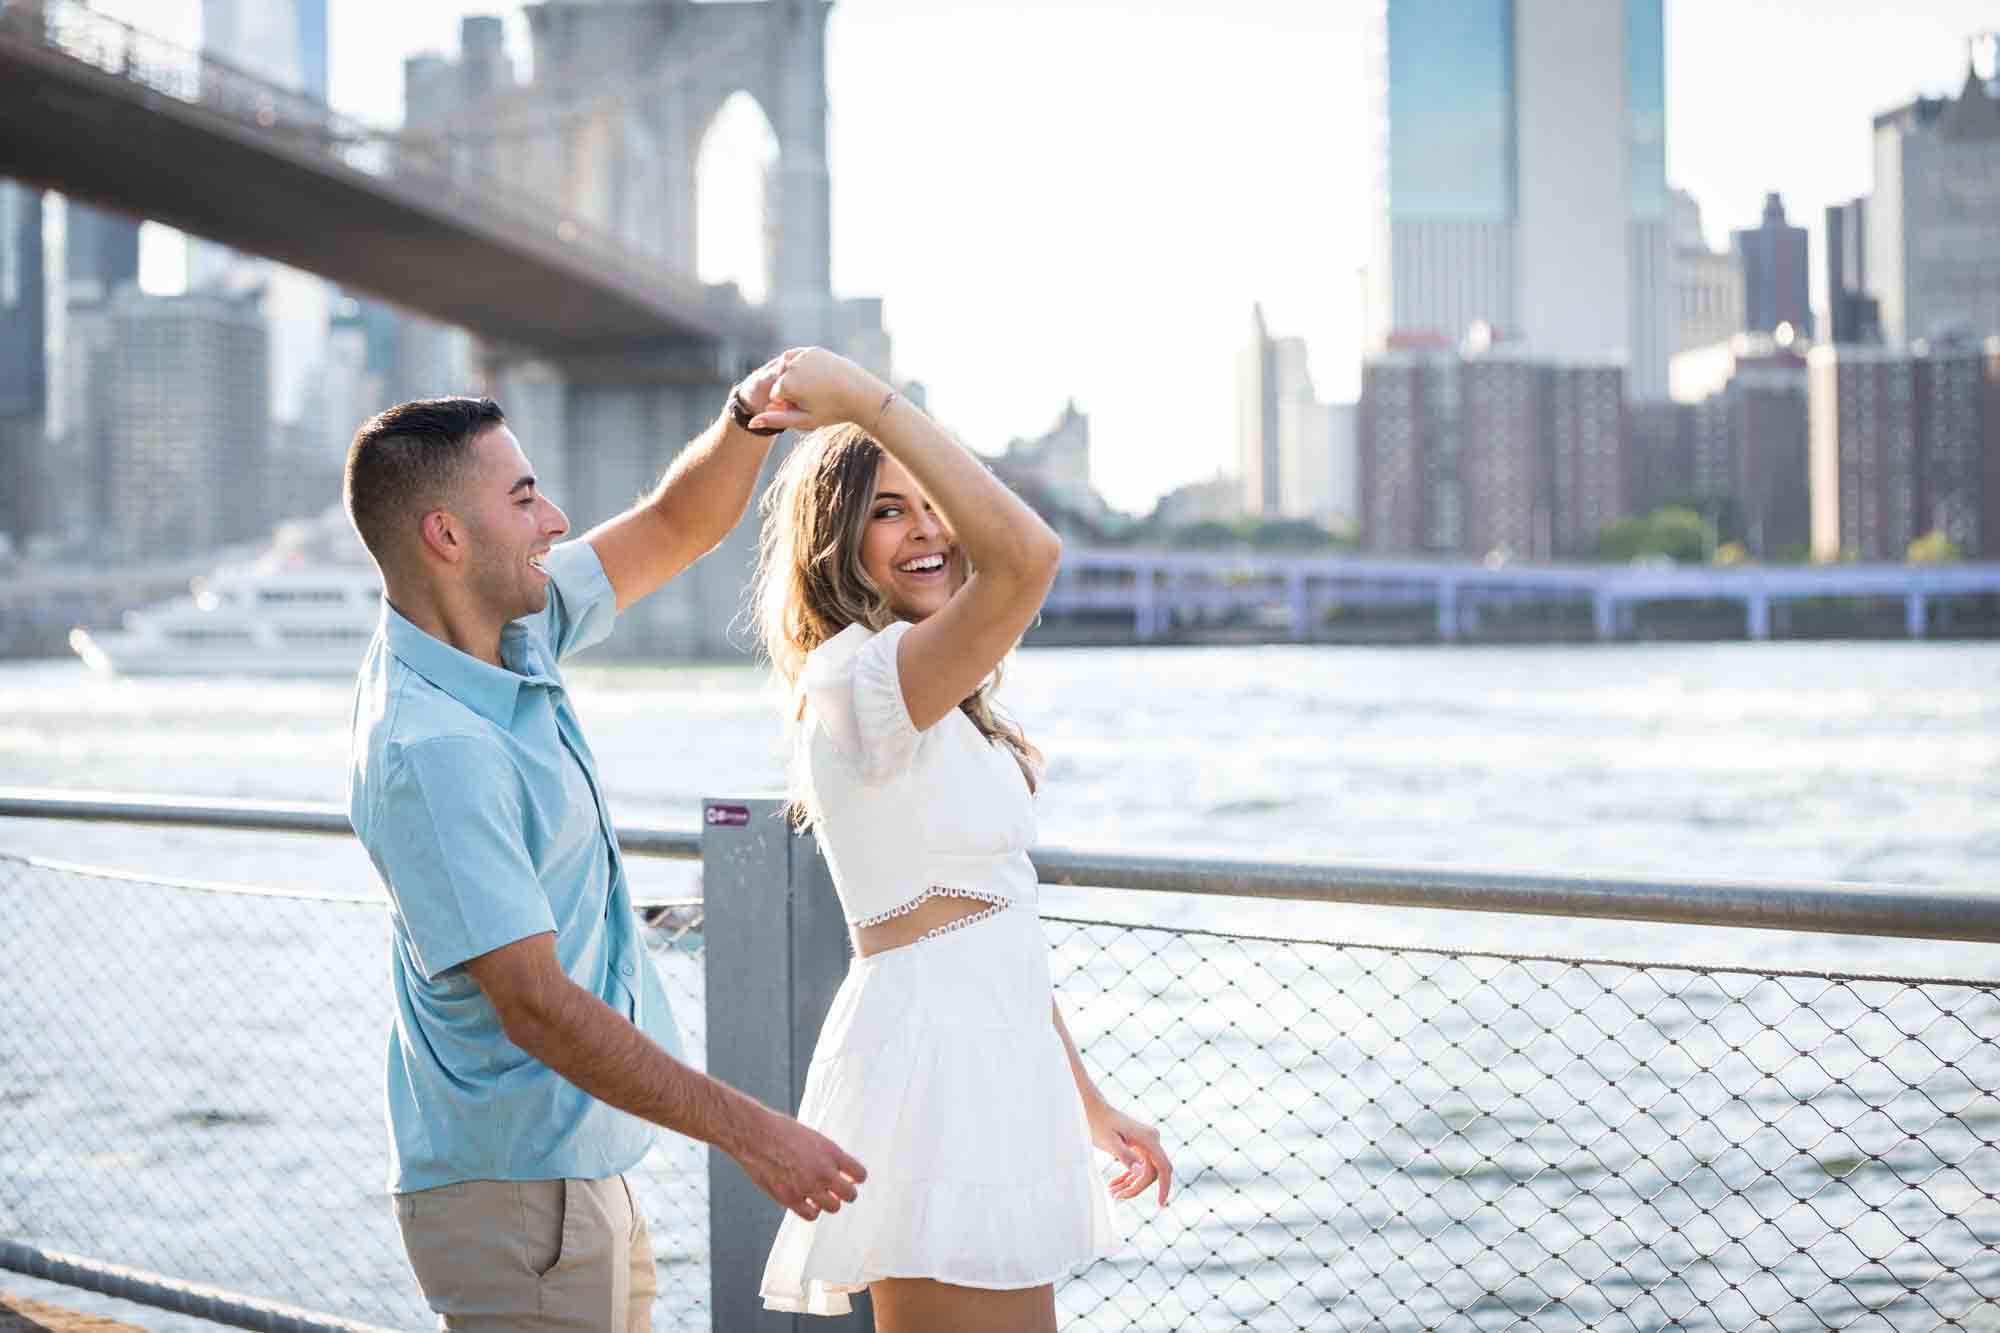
{"x": 1118, "y": 177}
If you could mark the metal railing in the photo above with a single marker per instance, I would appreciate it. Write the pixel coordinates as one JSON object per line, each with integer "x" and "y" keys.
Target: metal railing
{"x": 1368, "y": 1136}
{"x": 1905, "y": 911}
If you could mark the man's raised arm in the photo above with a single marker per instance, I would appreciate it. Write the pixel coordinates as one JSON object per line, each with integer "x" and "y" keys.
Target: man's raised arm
{"x": 702, "y": 495}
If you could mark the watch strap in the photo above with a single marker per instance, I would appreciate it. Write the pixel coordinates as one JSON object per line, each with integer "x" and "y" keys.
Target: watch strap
{"x": 740, "y": 413}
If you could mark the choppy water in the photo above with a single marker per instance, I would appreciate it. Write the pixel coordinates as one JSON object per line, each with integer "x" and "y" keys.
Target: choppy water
{"x": 1845, "y": 761}
{"x": 1873, "y": 762}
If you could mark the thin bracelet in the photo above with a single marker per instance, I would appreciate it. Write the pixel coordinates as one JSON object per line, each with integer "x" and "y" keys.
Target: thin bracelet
{"x": 893, "y": 395}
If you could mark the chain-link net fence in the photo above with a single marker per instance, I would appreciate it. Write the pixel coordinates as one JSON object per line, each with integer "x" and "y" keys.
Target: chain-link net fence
{"x": 1411, "y": 1138}
{"x": 191, "y": 1083}
{"x": 1366, "y": 1137}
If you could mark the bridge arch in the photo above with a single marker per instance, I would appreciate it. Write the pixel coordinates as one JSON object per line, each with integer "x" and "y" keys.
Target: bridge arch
{"x": 672, "y": 67}
{"x": 738, "y": 197}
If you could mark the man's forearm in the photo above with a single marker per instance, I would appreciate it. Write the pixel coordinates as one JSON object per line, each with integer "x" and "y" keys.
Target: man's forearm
{"x": 708, "y": 486}
{"x": 583, "y": 1039}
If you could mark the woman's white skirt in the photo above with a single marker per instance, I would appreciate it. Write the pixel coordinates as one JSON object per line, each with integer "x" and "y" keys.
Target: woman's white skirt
{"x": 940, "y": 1069}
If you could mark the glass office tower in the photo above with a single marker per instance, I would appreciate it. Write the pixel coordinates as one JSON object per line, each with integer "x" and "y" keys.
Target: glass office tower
{"x": 1521, "y": 179}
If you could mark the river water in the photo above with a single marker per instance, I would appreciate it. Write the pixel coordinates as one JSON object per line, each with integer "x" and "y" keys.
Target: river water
{"x": 1871, "y": 762}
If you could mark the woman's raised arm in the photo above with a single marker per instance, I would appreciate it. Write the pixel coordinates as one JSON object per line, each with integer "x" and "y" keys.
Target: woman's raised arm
{"x": 1013, "y": 553}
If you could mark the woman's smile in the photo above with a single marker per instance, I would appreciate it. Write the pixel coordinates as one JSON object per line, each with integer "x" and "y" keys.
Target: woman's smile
{"x": 925, "y": 567}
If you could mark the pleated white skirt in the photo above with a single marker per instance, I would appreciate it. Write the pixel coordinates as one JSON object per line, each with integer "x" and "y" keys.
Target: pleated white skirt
{"x": 940, "y": 1069}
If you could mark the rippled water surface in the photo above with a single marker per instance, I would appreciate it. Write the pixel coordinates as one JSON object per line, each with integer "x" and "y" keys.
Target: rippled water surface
{"x": 1864, "y": 762}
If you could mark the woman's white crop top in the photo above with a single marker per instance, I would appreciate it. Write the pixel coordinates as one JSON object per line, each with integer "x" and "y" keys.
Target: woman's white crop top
{"x": 902, "y": 814}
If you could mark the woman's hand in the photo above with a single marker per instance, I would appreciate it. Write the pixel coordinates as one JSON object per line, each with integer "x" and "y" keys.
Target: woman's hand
{"x": 1134, "y": 1143}
{"x": 816, "y": 388}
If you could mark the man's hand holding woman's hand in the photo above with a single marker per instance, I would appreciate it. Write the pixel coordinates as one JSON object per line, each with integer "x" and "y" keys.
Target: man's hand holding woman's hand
{"x": 815, "y": 387}
{"x": 755, "y": 391}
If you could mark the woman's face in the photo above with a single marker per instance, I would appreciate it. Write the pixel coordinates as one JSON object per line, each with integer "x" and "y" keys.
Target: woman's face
{"x": 906, "y": 548}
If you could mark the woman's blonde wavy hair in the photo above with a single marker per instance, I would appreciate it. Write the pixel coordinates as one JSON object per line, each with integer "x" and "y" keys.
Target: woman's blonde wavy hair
{"x": 810, "y": 585}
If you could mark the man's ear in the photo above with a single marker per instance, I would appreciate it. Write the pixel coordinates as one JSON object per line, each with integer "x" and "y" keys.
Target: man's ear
{"x": 444, "y": 537}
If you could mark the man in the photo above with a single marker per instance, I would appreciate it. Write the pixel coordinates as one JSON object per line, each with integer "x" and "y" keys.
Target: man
{"x": 532, "y": 1039}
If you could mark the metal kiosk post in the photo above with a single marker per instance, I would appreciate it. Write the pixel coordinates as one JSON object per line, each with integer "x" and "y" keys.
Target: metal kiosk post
{"x": 777, "y": 951}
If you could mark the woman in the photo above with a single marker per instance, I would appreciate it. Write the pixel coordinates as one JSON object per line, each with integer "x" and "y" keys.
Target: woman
{"x": 944, "y": 1064}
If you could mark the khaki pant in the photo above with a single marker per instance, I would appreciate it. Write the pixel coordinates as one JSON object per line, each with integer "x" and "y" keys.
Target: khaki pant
{"x": 494, "y": 1256}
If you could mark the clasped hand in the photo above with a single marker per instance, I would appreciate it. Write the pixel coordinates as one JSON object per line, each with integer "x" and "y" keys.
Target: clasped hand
{"x": 808, "y": 387}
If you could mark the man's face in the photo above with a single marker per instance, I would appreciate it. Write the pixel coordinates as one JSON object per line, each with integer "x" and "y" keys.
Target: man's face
{"x": 512, "y": 525}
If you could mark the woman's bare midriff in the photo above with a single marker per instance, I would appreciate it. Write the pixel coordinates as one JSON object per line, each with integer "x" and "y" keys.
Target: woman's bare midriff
{"x": 913, "y": 925}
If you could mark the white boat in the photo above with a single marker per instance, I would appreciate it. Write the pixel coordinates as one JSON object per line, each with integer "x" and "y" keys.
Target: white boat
{"x": 306, "y": 606}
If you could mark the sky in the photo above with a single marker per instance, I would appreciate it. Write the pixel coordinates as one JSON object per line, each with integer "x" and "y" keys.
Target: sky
{"x": 1081, "y": 199}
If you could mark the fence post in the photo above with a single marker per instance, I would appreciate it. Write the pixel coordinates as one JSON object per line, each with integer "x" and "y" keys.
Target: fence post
{"x": 1757, "y": 612}
{"x": 776, "y": 947}
{"x": 1604, "y": 614}
{"x": 1447, "y": 610}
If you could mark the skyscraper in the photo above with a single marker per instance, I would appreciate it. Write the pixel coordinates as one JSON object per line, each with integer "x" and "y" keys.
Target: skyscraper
{"x": 1775, "y": 273}
{"x": 100, "y": 252}
{"x": 271, "y": 40}
{"x": 1934, "y": 218}
{"x": 100, "y": 257}
{"x": 23, "y": 359}
{"x": 1332, "y": 485}
{"x": 311, "y": 16}
{"x": 1855, "y": 315}
{"x": 1257, "y": 418}
{"x": 1520, "y": 174}
{"x": 1295, "y": 453}
{"x": 187, "y": 423}
{"x": 1708, "y": 284}
{"x": 23, "y": 372}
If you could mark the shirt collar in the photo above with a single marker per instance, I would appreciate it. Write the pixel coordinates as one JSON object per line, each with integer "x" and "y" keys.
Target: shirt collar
{"x": 487, "y": 690}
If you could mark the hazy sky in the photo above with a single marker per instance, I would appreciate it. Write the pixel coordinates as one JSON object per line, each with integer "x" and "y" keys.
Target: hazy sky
{"x": 1082, "y": 198}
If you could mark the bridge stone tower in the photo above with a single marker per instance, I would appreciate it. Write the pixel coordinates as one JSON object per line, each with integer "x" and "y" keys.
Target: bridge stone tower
{"x": 610, "y": 129}
{"x": 634, "y": 86}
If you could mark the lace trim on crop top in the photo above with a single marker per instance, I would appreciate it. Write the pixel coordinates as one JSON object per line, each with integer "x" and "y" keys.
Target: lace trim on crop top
{"x": 999, "y": 904}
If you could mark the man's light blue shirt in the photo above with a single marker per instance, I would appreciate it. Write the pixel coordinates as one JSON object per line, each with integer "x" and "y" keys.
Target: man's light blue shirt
{"x": 477, "y": 798}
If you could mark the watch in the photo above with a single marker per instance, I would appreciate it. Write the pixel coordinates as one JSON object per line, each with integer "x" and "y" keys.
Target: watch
{"x": 740, "y": 413}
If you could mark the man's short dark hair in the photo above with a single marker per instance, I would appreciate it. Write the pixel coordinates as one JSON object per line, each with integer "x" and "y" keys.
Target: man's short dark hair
{"x": 407, "y": 461}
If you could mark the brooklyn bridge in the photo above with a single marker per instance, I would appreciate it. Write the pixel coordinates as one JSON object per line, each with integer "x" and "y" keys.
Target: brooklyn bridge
{"x": 554, "y": 219}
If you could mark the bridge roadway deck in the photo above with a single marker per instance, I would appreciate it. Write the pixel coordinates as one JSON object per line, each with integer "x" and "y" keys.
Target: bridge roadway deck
{"x": 94, "y": 109}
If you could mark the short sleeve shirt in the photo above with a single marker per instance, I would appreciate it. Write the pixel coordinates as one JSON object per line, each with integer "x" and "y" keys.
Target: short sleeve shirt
{"x": 478, "y": 801}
